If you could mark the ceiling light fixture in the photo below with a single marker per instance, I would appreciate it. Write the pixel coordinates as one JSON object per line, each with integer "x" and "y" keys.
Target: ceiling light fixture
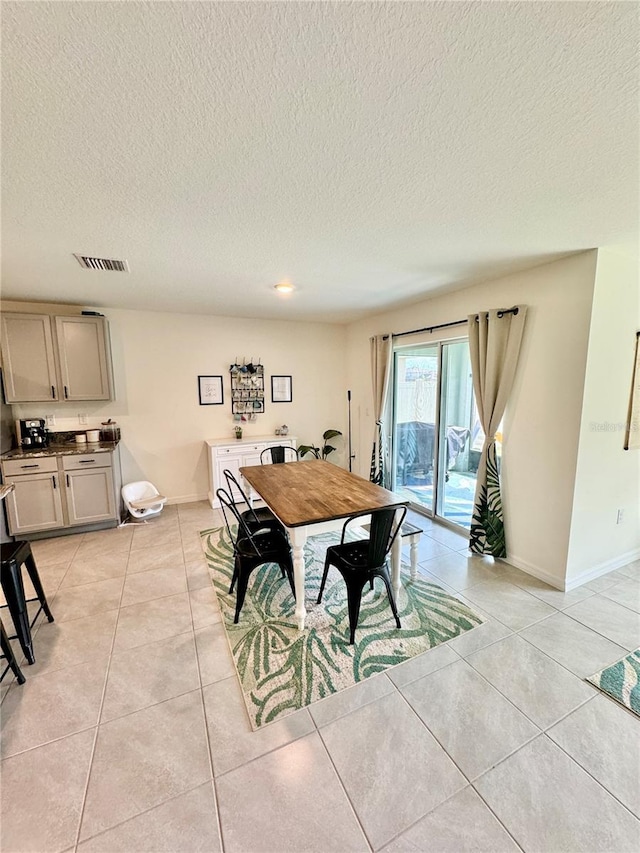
{"x": 283, "y": 287}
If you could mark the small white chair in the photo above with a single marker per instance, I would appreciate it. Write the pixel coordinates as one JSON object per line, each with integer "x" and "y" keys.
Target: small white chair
{"x": 142, "y": 499}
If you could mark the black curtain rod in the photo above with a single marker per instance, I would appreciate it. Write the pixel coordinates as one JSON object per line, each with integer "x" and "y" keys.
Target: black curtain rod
{"x": 501, "y": 313}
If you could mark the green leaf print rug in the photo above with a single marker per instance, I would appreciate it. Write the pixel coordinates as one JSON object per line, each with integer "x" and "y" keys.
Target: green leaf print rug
{"x": 621, "y": 681}
{"x": 282, "y": 669}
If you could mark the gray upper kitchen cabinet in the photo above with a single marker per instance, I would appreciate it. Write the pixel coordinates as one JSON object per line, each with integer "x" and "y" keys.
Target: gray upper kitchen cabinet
{"x": 28, "y": 358}
{"x": 64, "y": 358}
{"x": 84, "y": 361}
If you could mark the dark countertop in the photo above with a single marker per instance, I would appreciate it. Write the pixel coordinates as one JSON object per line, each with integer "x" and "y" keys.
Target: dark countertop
{"x": 69, "y": 448}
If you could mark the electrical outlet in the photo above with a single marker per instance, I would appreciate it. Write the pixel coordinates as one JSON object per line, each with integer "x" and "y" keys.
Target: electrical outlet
{"x": 51, "y": 421}
{"x": 620, "y": 516}
{"x": 83, "y": 419}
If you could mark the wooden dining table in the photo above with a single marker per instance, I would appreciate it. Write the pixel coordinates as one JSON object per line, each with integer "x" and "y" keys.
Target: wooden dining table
{"x": 308, "y": 497}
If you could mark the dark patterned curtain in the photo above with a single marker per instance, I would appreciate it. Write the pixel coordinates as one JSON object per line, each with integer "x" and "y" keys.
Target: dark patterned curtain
{"x": 381, "y": 355}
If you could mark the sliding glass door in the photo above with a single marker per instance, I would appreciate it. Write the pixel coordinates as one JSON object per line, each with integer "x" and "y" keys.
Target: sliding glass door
{"x": 437, "y": 437}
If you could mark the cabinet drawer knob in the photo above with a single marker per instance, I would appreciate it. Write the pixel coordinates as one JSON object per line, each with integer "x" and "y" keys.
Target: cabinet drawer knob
{"x": 87, "y": 461}
{"x": 30, "y": 466}
{"x": 68, "y": 482}
{"x": 66, "y": 393}
{"x": 55, "y": 482}
{"x": 53, "y": 391}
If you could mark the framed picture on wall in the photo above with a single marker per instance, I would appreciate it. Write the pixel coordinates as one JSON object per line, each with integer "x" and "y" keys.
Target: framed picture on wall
{"x": 210, "y": 391}
{"x": 281, "y": 390}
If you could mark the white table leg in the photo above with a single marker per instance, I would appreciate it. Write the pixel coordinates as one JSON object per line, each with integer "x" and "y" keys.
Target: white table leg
{"x": 413, "y": 554}
{"x": 298, "y": 537}
{"x": 396, "y": 560}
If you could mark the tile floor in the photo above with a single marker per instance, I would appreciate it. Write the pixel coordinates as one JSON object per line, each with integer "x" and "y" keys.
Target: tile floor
{"x": 130, "y": 733}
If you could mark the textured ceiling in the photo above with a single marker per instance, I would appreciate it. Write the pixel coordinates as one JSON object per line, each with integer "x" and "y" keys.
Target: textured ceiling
{"x": 369, "y": 152}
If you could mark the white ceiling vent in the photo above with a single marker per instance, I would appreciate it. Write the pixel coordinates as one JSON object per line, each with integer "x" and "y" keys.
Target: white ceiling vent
{"x": 90, "y": 263}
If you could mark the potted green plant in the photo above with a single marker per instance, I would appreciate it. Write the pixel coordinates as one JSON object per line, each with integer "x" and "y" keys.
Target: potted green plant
{"x": 325, "y": 450}
{"x": 238, "y": 431}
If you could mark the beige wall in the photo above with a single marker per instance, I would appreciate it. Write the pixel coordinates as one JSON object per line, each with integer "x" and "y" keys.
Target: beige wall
{"x": 608, "y": 477}
{"x": 542, "y": 421}
{"x": 157, "y": 358}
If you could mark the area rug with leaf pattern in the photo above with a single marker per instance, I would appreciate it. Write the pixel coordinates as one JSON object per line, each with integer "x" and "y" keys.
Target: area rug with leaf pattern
{"x": 621, "y": 681}
{"x": 282, "y": 669}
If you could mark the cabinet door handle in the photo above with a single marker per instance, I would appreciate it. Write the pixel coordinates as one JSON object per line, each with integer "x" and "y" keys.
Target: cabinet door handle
{"x": 68, "y": 482}
{"x": 87, "y": 461}
{"x": 66, "y": 393}
{"x": 53, "y": 391}
{"x": 29, "y": 466}
{"x": 55, "y": 482}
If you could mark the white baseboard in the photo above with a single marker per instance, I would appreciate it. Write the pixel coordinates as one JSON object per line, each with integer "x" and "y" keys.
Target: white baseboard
{"x": 584, "y": 577}
{"x": 186, "y": 499}
{"x": 536, "y": 571}
{"x": 603, "y": 569}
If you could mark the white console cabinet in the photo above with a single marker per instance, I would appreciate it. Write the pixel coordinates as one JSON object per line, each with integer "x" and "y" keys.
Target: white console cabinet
{"x": 236, "y": 453}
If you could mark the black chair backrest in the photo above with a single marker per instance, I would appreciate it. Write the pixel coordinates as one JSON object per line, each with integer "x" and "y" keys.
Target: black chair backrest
{"x": 382, "y": 531}
{"x": 233, "y": 483}
{"x": 231, "y": 515}
{"x": 279, "y": 454}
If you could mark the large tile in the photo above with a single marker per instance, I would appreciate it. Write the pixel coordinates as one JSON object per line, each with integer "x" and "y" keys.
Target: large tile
{"x": 51, "y": 577}
{"x": 99, "y": 567}
{"x": 192, "y": 547}
{"x": 116, "y": 539}
{"x": 604, "y": 738}
{"x": 58, "y": 549}
{"x": 62, "y": 644}
{"x": 479, "y": 637}
{"x": 626, "y": 592}
{"x": 76, "y": 602}
{"x": 460, "y": 572}
{"x": 537, "y": 685}
{"x": 198, "y": 576}
{"x": 612, "y": 620}
{"x": 475, "y": 724}
{"x": 232, "y": 740}
{"x": 156, "y": 583}
{"x": 391, "y": 766}
{"x": 421, "y": 665}
{"x": 150, "y": 621}
{"x": 428, "y": 548}
{"x": 345, "y": 701}
{"x": 548, "y": 803}
{"x": 214, "y": 656}
{"x": 288, "y": 800}
{"x": 461, "y": 825}
{"x": 150, "y": 674}
{"x": 42, "y": 794}
{"x": 576, "y": 647}
{"x": 205, "y": 609}
{"x": 187, "y": 823}
{"x": 52, "y": 706}
{"x": 144, "y": 759}
{"x": 510, "y": 605}
{"x": 155, "y": 558}
{"x": 156, "y": 537}
{"x": 446, "y": 536}
{"x": 555, "y": 597}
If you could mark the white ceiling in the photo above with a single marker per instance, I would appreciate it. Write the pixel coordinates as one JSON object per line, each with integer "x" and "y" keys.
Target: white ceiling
{"x": 370, "y": 152}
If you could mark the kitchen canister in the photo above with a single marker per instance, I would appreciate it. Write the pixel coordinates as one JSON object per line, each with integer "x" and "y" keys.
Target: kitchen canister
{"x": 93, "y": 435}
{"x": 110, "y": 431}
{"x": 81, "y": 438}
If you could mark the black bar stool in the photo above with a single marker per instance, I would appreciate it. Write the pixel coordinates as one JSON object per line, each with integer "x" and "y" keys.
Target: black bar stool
{"x": 8, "y": 655}
{"x": 14, "y": 555}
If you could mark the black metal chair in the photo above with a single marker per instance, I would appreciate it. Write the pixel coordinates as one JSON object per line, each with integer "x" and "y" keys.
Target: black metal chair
{"x": 251, "y": 550}
{"x": 255, "y": 519}
{"x": 8, "y": 655}
{"x": 361, "y": 561}
{"x": 280, "y": 453}
{"x": 14, "y": 555}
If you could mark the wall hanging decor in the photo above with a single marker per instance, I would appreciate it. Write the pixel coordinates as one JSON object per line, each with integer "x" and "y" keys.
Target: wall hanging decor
{"x": 210, "y": 391}
{"x": 247, "y": 388}
{"x": 281, "y": 389}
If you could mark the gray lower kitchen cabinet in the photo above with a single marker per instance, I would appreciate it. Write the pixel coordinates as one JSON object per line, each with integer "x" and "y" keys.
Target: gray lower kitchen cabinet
{"x": 65, "y": 358}
{"x": 62, "y": 493}
{"x": 35, "y": 503}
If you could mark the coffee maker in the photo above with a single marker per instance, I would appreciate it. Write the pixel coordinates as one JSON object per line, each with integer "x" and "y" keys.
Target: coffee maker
{"x": 31, "y": 434}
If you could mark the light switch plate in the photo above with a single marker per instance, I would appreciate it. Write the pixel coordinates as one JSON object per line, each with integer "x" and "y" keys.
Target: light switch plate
{"x": 83, "y": 419}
